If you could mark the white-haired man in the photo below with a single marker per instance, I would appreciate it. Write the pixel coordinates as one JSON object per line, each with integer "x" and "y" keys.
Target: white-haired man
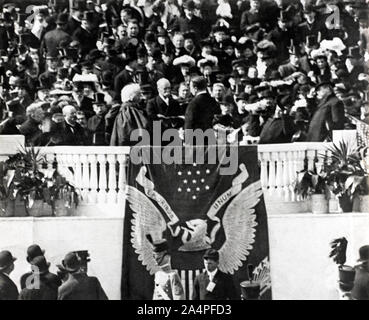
{"x": 131, "y": 116}
{"x": 163, "y": 107}
{"x": 73, "y": 134}
{"x": 31, "y": 127}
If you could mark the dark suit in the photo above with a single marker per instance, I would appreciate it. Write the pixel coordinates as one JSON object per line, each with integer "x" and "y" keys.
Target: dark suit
{"x": 157, "y": 106}
{"x": 96, "y": 127}
{"x": 30, "y": 130}
{"x": 224, "y": 288}
{"x": 73, "y": 136}
{"x": 360, "y": 290}
{"x": 200, "y": 112}
{"x": 330, "y": 113}
{"x": 277, "y": 130}
{"x": 52, "y": 40}
{"x": 122, "y": 79}
{"x": 87, "y": 40}
{"x": 48, "y": 289}
{"x": 80, "y": 286}
{"x": 48, "y": 78}
{"x": 8, "y": 289}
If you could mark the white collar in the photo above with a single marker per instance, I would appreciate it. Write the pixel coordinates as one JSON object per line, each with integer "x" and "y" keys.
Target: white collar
{"x": 212, "y": 274}
{"x": 166, "y": 100}
{"x": 201, "y": 92}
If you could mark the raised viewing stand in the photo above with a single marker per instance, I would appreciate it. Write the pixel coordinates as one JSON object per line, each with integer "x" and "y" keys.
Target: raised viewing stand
{"x": 299, "y": 240}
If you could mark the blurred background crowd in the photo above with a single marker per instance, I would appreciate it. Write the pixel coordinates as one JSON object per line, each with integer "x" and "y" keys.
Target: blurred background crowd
{"x": 89, "y": 72}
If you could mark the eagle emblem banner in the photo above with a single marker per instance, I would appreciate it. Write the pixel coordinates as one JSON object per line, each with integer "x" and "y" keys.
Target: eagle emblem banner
{"x": 195, "y": 207}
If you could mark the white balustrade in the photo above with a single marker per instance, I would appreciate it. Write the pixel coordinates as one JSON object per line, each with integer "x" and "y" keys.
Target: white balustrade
{"x": 101, "y": 172}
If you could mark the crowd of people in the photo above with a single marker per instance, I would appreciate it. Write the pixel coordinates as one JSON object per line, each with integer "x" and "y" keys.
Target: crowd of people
{"x": 89, "y": 74}
{"x": 70, "y": 283}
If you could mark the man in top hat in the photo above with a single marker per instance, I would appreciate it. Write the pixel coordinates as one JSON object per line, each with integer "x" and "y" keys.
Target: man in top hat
{"x": 49, "y": 77}
{"x": 86, "y": 35}
{"x": 96, "y": 124}
{"x": 43, "y": 285}
{"x": 79, "y": 286}
{"x": 202, "y": 108}
{"x": 190, "y": 22}
{"x": 8, "y": 289}
{"x": 294, "y": 65}
{"x": 74, "y": 20}
{"x": 360, "y": 291}
{"x": 168, "y": 285}
{"x": 52, "y": 39}
{"x": 329, "y": 114}
{"x": 212, "y": 284}
{"x": 313, "y": 22}
{"x": 355, "y": 64}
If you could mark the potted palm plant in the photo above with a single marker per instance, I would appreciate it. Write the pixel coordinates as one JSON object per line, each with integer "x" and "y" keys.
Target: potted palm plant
{"x": 345, "y": 174}
{"x": 30, "y": 181}
{"x": 27, "y": 179}
{"x": 363, "y": 188}
{"x": 313, "y": 185}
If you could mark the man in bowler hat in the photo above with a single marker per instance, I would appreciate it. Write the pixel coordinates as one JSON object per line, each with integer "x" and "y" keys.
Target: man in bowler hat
{"x": 45, "y": 284}
{"x": 79, "y": 286}
{"x": 8, "y": 289}
{"x": 34, "y": 251}
{"x": 212, "y": 284}
{"x": 360, "y": 290}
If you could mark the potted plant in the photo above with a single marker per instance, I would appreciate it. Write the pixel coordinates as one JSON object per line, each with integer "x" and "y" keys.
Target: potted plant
{"x": 345, "y": 174}
{"x": 65, "y": 198}
{"x": 30, "y": 181}
{"x": 363, "y": 188}
{"x": 40, "y": 188}
{"x": 346, "y": 273}
{"x": 7, "y": 200}
{"x": 314, "y": 185}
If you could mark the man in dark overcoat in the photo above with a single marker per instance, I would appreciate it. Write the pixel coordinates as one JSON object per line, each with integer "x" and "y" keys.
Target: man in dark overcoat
{"x": 329, "y": 115}
{"x": 8, "y": 289}
{"x": 202, "y": 108}
{"x": 79, "y": 286}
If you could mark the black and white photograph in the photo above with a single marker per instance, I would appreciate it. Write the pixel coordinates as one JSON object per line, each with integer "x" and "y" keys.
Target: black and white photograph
{"x": 189, "y": 150}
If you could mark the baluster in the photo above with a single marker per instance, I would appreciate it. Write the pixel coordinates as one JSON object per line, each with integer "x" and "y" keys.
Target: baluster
{"x": 279, "y": 173}
{"x": 291, "y": 176}
{"x": 67, "y": 163}
{"x": 300, "y": 165}
{"x": 112, "y": 182}
{"x": 102, "y": 178}
{"x": 85, "y": 177}
{"x": 263, "y": 171}
{"x": 272, "y": 175}
{"x": 286, "y": 175}
{"x": 122, "y": 179}
{"x": 77, "y": 171}
{"x": 93, "y": 178}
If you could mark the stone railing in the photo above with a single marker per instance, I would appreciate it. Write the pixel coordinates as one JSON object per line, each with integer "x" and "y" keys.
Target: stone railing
{"x": 279, "y": 165}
